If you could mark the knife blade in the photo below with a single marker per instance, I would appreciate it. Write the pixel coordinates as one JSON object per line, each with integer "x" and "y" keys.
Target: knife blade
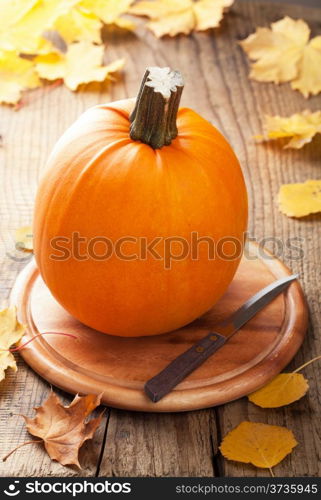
{"x": 160, "y": 385}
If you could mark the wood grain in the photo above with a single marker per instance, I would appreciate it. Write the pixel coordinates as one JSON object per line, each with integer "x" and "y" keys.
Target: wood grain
{"x": 218, "y": 87}
{"x": 118, "y": 368}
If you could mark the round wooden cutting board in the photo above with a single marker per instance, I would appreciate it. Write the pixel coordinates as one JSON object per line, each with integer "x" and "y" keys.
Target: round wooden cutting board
{"x": 119, "y": 367}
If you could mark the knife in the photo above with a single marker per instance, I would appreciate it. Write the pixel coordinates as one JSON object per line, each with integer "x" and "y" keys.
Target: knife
{"x": 160, "y": 385}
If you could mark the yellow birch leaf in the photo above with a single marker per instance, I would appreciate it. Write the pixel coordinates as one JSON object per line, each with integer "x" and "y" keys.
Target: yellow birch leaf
{"x": 284, "y": 53}
{"x": 282, "y": 390}
{"x": 16, "y": 75}
{"x": 82, "y": 63}
{"x": 109, "y": 11}
{"x": 259, "y": 444}
{"x": 24, "y": 33}
{"x": 78, "y": 25}
{"x": 24, "y": 239}
{"x": 301, "y": 127}
{"x": 11, "y": 332}
{"x": 171, "y": 17}
{"x": 299, "y": 200}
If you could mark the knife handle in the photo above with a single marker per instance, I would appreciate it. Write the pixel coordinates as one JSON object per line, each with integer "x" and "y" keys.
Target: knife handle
{"x": 160, "y": 385}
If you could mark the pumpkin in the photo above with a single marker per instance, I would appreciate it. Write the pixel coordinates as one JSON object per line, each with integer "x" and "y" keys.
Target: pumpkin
{"x": 139, "y": 212}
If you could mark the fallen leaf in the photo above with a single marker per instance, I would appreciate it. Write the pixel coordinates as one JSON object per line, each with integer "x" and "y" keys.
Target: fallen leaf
{"x": 282, "y": 390}
{"x": 11, "y": 332}
{"x": 284, "y": 53}
{"x": 109, "y": 11}
{"x": 299, "y": 200}
{"x": 16, "y": 75}
{"x": 259, "y": 444}
{"x": 24, "y": 239}
{"x": 79, "y": 24}
{"x": 64, "y": 429}
{"x": 66, "y": 66}
{"x": 171, "y": 17}
{"x": 11, "y": 12}
{"x": 302, "y": 127}
{"x": 23, "y": 33}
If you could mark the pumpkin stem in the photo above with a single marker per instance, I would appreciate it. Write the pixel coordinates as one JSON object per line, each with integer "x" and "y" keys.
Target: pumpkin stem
{"x": 153, "y": 120}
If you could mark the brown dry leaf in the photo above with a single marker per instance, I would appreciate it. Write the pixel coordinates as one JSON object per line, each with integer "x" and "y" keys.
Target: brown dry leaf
{"x": 299, "y": 200}
{"x": 171, "y": 17}
{"x": 11, "y": 332}
{"x": 259, "y": 444}
{"x": 282, "y": 390}
{"x": 24, "y": 239}
{"x": 66, "y": 66}
{"x": 64, "y": 428}
{"x": 301, "y": 127}
{"x": 284, "y": 53}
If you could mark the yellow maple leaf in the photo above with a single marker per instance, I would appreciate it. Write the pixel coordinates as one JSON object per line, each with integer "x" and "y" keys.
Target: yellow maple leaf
{"x": 171, "y": 17}
{"x": 282, "y": 390}
{"x": 259, "y": 444}
{"x": 16, "y": 75}
{"x": 12, "y": 11}
{"x": 77, "y": 25}
{"x": 82, "y": 63}
{"x": 11, "y": 332}
{"x": 24, "y": 239}
{"x": 284, "y": 53}
{"x": 302, "y": 127}
{"x": 301, "y": 199}
{"x": 109, "y": 11}
{"x": 23, "y": 33}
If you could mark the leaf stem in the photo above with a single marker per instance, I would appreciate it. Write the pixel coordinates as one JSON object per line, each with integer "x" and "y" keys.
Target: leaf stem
{"x": 306, "y": 364}
{"x": 19, "y": 446}
{"x": 22, "y": 346}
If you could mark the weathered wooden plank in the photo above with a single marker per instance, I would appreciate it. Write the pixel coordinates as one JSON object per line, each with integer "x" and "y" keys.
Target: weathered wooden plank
{"x": 267, "y": 167}
{"x": 173, "y": 444}
{"x": 216, "y": 72}
{"x": 28, "y": 136}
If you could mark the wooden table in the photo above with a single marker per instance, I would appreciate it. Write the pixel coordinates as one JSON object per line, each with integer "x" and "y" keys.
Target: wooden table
{"x": 216, "y": 70}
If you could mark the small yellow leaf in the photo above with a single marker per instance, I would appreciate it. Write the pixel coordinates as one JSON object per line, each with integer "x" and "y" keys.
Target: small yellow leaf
{"x": 16, "y": 75}
{"x": 282, "y": 390}
{"x": 78, "y": 25}
{"x": 109, "y": 11}
{"x": 23, "y": 33}
{"x": 171, "y": 17}
{"x": 284, "y": 53}
{"x": 302, "y": 127}
{"x": 82, "y": 63}
{"x": 24, "y": 239}
{"x": 299, "y": 200}
{"x": 11, "y": 332}
{"x": 259, "y": 444}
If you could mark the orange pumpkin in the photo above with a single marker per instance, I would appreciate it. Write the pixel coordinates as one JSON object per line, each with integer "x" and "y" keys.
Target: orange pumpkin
{"x": 123, "y": 196}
